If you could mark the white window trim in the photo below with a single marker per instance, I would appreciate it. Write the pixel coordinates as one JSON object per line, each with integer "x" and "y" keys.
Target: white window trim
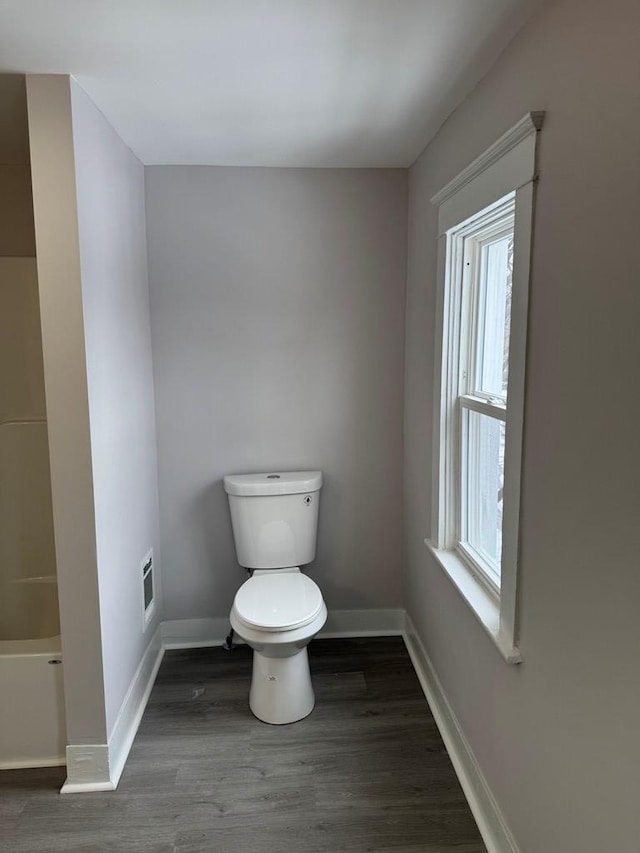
{"x": 508, "y": 165}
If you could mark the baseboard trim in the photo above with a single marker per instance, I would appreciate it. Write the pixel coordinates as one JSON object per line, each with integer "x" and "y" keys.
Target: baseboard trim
{"x": 86, "y": 787}
{"x": 200, "y": 633}
{"x": 363, "y": 623}
{"x": 98, "y": 767}
{"x": 87, "y": 769}
{"x": 132, "y": 709}
{"x": 194, "y": 633}
{"x": 491, "y": 823}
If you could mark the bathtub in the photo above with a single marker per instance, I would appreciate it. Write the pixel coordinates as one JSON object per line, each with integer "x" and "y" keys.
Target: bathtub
{"x": 32, "y": 719}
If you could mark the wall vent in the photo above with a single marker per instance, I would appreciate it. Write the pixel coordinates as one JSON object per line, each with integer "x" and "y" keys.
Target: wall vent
{"x": 148, "y": 604}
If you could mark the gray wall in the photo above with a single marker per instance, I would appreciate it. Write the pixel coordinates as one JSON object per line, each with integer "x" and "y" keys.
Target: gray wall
{"x": 113, "y": 260}
{"x": 557, "y": 736}
{"x": 277, "y": 308}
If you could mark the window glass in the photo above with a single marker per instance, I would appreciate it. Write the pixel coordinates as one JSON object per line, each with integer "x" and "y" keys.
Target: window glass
{"x": 484, "y": 458}
{"x": 493, "y": 317}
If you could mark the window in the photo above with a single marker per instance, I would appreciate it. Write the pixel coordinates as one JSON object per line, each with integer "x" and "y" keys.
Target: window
{"x": 485, "y": 218}
{"x": 480, "y": 260}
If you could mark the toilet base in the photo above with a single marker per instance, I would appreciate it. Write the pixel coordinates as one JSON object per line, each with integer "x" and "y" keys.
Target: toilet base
{"x": 281, "y": 690}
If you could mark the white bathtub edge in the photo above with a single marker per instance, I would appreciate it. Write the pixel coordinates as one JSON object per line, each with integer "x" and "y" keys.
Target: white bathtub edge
{"x": 46, "y": 647}
{"x": 40, "y": 700}
{"x": 28, "y": 763}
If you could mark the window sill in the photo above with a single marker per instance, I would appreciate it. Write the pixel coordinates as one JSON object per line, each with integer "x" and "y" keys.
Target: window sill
{"x": 484, "y": 607}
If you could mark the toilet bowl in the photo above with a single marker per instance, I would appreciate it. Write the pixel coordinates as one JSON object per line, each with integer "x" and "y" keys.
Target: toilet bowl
{"x": 278, "y": 610}
{"x": 277, "y": 613}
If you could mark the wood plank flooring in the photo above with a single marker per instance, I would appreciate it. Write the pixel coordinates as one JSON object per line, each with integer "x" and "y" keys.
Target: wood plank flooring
{"x": 366, "y": 771}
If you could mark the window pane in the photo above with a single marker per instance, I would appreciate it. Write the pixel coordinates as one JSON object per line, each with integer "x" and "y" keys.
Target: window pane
{"x": 482, "y": 491}
{"x": 494, "y": 310}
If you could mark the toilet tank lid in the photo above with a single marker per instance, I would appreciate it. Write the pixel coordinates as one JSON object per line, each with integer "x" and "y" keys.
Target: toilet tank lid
{"x": 273, "y": 483}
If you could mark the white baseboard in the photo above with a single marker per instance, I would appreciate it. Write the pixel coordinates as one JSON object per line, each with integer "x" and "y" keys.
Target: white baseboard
{"x": 128, "y": 720}
{"x": 98, "y": 767}
{"x": 195, "y": 633}
{"x": 86, "y": 787}
{"x": 363, "y": 623}
{"x": 491, "y": 823}
{"x": 87, "y": 769}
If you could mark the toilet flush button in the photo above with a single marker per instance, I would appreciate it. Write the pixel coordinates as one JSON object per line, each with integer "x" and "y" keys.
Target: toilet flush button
{"x": 307, "y": 499}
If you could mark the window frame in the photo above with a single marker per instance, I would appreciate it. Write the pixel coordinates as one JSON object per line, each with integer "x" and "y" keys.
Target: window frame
{"x": 470, "y": 236}
{"x": 508, "y": 167}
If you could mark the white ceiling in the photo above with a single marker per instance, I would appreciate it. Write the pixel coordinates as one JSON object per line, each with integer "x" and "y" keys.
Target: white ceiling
{"x": 266, "y": 82}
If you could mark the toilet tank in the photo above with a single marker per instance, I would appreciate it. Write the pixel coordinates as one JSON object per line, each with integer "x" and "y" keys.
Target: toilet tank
{"x": 274, "y": 517}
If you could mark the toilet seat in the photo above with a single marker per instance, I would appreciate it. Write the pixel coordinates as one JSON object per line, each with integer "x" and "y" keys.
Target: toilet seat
{"x": 278, "y": 601}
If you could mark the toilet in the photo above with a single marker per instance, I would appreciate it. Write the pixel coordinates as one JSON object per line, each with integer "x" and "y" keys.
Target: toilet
{"x": 279, "y": 610}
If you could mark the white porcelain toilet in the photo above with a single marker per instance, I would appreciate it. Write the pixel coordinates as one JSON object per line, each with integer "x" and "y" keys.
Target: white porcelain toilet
{"x": 278, "y": 610}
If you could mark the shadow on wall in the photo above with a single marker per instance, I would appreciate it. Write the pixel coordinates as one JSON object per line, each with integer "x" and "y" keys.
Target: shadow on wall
{"x": 212, "y": 545}
{"x": 348, "y": 556}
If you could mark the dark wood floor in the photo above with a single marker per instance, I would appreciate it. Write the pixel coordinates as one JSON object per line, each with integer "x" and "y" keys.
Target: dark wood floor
{"x": 366, "y": 771}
